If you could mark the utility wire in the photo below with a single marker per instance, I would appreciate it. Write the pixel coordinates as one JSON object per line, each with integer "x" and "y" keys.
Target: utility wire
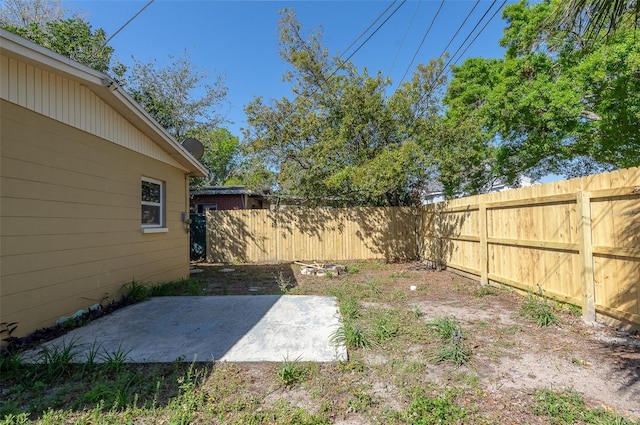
{"x": 459, "y": 28}
{"x": 421, "y": 42}
{"x": 128, "y": 22}
{"x": 122, "y": 27}
{"x": 471, "y": 32}
{"x": 444, "y": 68}
{"x": 368, "y": 28}
{"x": 480, "y": 32}
{"x": 405, "y": 36}
{"x": 371, "y": 35}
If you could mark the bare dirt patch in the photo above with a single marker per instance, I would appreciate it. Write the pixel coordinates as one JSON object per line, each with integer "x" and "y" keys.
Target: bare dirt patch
{"x": 512, "y": 356}
{"x": 391, "y": 377}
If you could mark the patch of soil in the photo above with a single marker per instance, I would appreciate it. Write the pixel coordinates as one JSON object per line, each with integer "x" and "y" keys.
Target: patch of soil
{"x": 512, "y": 357}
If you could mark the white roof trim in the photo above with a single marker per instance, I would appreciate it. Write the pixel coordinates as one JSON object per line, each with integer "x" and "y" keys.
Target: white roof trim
{"x": 29, "y": 52}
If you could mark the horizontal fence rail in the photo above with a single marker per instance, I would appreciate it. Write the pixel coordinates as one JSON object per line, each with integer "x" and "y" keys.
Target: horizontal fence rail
{"x": 323, "y": 234}
{"x": 576, "y": 240}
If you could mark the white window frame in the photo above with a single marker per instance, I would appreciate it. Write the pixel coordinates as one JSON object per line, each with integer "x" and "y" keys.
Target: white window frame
{"x": 159, "y": 227}
{"x": 206, "y": 207}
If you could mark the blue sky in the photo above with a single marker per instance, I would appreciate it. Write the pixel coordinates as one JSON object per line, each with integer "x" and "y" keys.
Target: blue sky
{"x": 239, "y": 39}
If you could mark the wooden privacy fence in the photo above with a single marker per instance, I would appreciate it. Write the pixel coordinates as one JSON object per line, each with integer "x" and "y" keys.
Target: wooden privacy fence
{"x": 312, "y": 234}
{"x": 576, "y": 240}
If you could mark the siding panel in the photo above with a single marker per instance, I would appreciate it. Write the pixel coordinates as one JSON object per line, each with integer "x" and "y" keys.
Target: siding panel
{"x": 70, "y": 231}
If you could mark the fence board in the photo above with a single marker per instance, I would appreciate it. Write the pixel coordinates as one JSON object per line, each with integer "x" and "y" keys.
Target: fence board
{"x": 323, "y": 234}
{"x": 533, "y": 238}
{"x": 534, "y": 235}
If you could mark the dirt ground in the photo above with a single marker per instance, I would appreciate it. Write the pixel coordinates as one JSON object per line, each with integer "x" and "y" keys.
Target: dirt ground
{"x": 512, "y": 356}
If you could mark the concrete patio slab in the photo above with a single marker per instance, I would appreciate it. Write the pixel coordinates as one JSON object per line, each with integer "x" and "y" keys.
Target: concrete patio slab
{"x": 226, "y": 328}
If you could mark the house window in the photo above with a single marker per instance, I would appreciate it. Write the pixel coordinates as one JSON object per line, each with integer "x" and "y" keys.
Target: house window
{"x": 153, "y": 203}
{"x": 203, "y": 208}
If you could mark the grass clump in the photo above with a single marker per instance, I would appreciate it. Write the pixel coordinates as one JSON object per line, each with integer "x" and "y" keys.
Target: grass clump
{"x": 291, "y": 372}
{"x": 564, "y": 408}
{"x": 485, "y": 290}
{"x": 138, "y": 291}
{"x": 536, "y": 308}
{"x": 351, "y": 335}
{"x": 453, "y": 347}
{"x": 284, "y": 283}
{"x": 385, "y": 325}
{"x": 426, "y": 409}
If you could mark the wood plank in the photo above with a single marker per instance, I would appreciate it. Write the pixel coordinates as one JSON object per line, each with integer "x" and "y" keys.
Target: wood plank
{"x": 617, "y": 252}
{"x": 528, "y": 288}
{"x": 552, "y": 199}
{"x": 618, "y": 314}
{"x": 484, "y": 262}
{"x": 560, "y": 246}
{"x": 587, "y": 278}
{"x": 616, "y": 192}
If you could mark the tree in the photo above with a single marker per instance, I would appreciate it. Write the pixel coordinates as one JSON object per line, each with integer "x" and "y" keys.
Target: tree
{"x": 221, "y": 155}
{"x": 23, "y": 13}
{"x": 71, "y": 37}
{"x": 551, "y": 105}
{"x": 342, "y": 139}
{"x": 170, "y": 93}
{"x": 592, "y": 18}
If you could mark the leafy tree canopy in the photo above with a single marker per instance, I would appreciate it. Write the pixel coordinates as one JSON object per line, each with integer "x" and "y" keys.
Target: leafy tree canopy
{"x": 177, "y": 95}
{"x": 72, "y": 37}
{"x": 550, "y": 105}
{"x": 593, "y": 19}
{"x": 221, "y": 155}
{"x": 343, "y": 138}
{"x": 22, "y": 13}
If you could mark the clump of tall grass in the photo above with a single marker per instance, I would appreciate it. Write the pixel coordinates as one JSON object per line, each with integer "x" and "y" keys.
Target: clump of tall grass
{"x": 453, "y": 347}
{"x": 536, "y": 308}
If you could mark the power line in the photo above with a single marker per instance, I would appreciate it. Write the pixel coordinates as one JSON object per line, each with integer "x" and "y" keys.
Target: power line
{"x": 480, "y": 32}
{"x": 422, "y": 42}
{"x": 369, "y": 27}
{"x": 372, "y": 34}
{"x": 458, "y": 30}
{"x": 472, "y": 41}
{"x": 471, "y": 32}
{"x": 405, "y": 36}
{"x": 128, "y": 22}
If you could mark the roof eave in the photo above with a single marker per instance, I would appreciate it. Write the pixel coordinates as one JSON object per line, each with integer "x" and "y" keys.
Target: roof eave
{"x": 29, "y": 52}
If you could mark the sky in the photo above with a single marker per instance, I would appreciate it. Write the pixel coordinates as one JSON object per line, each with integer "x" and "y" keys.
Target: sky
{"x": 239, "y": 39}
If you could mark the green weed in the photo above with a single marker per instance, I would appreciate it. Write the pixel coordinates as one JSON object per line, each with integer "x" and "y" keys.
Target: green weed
{"x": 284, "y": 282}
{"x": 57, "y": 360}
{"x": 385, "y": 325}
{"x": 349, "y": 305}
{"x": 352, "y": 269}
{"x": 10, "y": 362}
{"x": 453, "y": 348}
{"x": 485, "y": 290}
{"x": 536, "y": 308}
{"x": 426, "y": 409}
{"x": 136, "y": 291}
{"x": 15, "y": 419}
{"x": 564, "y": 408}
{"x": 350, "y": 335}
{"x": 117, "y": 359}
{"x": 454, "y": 351}
{"x": 291, "y": 371}
{"x": 445, "y": 327}
{"x": 360, "y": 400}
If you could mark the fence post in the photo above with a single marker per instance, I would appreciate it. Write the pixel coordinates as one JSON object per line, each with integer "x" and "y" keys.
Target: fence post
{"x": 484, "y": 248}
{"x": 585, "y": 262}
